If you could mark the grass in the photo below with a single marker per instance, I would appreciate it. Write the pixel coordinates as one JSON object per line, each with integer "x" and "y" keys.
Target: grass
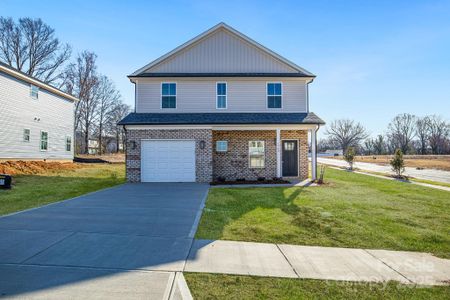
{"x": 208, "y": 286}
{"x": 440, "y": 162}
{"x": 350, "y": 210}
{"x": 37, "y": 190}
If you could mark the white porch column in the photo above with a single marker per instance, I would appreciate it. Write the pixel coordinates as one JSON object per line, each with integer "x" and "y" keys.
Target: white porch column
{"x": 314, "y": 154}
{"x": 278, "y": 146}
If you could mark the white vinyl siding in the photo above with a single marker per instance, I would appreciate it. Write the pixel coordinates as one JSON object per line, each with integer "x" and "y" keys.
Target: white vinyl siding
{"x": 200, "y": 95}
{"x": 51, "y": 114}
{"x": 222, "y": 52}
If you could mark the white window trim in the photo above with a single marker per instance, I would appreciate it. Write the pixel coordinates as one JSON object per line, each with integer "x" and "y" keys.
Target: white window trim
{"x": 217, "y": 148}
{"x": 31, "y": 91}
{"x": 226, "y": 95}
{"x": 40, "y": 141}
{"x": 176, "y": 92}
{"x": 29, "y": 135}
{"x": 68, "y": 136}
{"x": 249, "y": 155}
{"x": 267, "y": 94}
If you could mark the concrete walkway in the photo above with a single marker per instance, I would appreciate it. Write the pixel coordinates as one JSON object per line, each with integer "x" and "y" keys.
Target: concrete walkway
{"x": 425, "y": 174}
{"x": 291, "y": 261}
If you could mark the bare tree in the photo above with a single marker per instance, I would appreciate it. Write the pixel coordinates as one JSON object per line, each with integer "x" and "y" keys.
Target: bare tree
{"x": 30, "y": 46}
{"x": 109, "y": 98}
{"x": 439, "y": 134}
{"x": 422, "y": 133}
{"x": 119, "y": 112}
{"x": 401, "y": 131}
{"x": 346, "y": 133}
{"x": 81, "y": 80}
{"x": 379, "y": 145}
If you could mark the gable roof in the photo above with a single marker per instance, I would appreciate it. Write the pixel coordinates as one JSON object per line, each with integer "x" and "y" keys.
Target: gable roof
{"x": 27, "y": 78}
{"x": 300, "y": 72}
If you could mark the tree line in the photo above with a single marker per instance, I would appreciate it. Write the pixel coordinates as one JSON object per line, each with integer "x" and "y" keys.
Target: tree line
{"x": 31, "y": 46}
{"x": 407, "y": 132}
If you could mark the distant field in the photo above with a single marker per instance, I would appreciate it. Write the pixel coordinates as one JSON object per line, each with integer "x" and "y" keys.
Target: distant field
{"x": 440, "y": 162}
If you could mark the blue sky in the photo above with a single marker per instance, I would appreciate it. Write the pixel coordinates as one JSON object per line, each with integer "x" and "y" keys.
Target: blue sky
{"x": 373, "y": 59}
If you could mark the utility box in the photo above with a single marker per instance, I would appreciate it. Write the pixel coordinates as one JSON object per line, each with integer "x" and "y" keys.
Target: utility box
{"x": 5, "y": 181}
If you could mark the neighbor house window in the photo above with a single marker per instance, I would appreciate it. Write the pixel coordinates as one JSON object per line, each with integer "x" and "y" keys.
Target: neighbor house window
{"x": 44, "y": 141}
{"x": 274, "y": 95}
{"x": 169, "y": 95}
{"x": 34, "y": 91}
{"x": 26, "y": 135}
{"x": 256, "y": 154}
{"x": 222, "y": 95}
{"x": 68, "y": 143}
{"x": 222, "y": 146}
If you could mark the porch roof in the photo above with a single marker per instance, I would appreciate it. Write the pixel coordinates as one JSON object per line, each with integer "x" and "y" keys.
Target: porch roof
{"x": 219, "y": 118}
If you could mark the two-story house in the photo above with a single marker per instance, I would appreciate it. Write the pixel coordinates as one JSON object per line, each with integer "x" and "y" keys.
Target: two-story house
{"x": 36, "y": 119}
{"x": 220, "y": 105}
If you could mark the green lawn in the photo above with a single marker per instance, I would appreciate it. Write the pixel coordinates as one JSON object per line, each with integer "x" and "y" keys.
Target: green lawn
{"x": 36, "y": 190}
{"x": 208, "y": 286}
{"x": 351, "y": 210}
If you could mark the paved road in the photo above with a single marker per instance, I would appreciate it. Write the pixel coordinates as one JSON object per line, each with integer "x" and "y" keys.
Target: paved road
{"x": 123, "y": 242}
{"x": 426, "y": 174}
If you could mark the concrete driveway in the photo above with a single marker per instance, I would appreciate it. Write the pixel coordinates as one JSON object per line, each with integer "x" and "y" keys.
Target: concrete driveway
{"x": 130, "y": 238}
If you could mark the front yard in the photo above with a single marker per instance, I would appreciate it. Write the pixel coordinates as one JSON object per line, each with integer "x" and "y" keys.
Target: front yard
{"x": 209, "y": 286}
{"x": 56, "y": 185}
{"x": 351, "y": 210}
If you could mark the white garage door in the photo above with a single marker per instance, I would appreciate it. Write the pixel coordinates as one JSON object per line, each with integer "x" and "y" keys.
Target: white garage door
{"x": 167, "y": 161}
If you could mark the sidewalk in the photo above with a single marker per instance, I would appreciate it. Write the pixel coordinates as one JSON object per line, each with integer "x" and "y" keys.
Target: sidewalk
{"x": 327, "y": 263}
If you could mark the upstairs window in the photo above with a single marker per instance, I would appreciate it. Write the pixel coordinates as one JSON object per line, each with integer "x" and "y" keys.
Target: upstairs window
{"x": 34, "y": 92}
{"x": 68, "y": 143}
{"x": 221, "y": 95}
{"x": 274, "y": 95}
{"x": 256, "y": 154}
{"x": 169, "y": 95}
{"x": 44, "y": 141}
{"x": 26, "y": 135}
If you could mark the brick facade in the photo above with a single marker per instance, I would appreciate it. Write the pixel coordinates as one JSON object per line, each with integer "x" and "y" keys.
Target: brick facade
{"x": 234, "y": 163}
{"x": 210, "y": 164}
{"x": 203, "y": 157}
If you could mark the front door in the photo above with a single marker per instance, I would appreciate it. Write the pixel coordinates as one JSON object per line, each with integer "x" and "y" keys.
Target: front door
{"x": 290, "y": 158}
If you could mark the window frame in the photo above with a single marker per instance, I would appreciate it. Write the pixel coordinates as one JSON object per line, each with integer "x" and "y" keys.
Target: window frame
{"x": 40, "y": 141}
{"x": 31, "y": 92}
{"x": 263, "y": 155}
{"x": 226, "y": 147}
{"x": 226, "y": 95}
{"x": 280, "y": 95}
{"x": 176, "y": 92}
{"x": 68, "y": 138}
{"x": 29, "y": 135}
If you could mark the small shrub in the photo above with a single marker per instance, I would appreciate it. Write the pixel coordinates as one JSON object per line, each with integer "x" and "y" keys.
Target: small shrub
{"x": 397, "y": 163}
{"x": 349, "y": 156}
{"x": 261, "y": 178}
{"x": 240, "y": 179}
{"x": 321, "y": 174}
{"x": 221, "y": 179}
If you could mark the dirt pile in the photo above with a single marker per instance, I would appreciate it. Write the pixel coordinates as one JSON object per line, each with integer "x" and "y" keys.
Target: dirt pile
{"x": 34, "y": 167}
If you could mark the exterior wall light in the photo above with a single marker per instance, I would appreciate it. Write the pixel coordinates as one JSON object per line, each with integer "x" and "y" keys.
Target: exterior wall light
{"x": 132, "y": 145}
{"x": 202, "y": 144}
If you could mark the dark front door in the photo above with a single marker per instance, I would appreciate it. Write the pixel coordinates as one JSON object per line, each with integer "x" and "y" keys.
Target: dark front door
{"x": 290, "y": 158}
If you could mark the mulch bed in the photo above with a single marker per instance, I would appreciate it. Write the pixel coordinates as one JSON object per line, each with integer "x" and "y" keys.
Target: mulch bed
{"x": 279, "y": 181}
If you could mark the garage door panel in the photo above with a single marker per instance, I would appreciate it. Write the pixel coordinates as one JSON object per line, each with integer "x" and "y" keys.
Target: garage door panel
{"x": 167, "y": 161}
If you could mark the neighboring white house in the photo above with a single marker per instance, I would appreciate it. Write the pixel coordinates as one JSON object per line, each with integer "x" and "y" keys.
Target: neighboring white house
{"x": 36, "y": 119}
